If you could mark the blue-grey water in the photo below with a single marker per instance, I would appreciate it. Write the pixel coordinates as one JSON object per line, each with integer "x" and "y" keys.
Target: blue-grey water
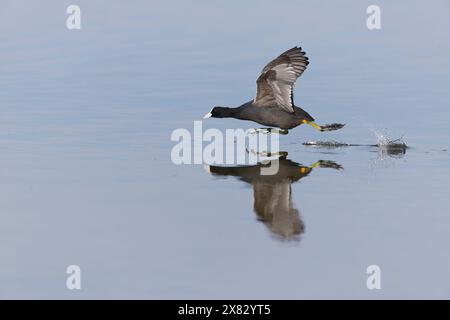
{"x": 86, "y": 176}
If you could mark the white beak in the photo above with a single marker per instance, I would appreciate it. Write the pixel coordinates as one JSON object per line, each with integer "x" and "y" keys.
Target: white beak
{"x": 208, "y": 115}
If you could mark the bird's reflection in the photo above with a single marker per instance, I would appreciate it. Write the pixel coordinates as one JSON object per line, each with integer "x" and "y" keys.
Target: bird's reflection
{"x": 272, "y": 193}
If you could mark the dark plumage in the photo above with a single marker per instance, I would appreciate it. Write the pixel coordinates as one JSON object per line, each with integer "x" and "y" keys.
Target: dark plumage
{"x": 273, "y": 105}
{"x": 271, "y": 116}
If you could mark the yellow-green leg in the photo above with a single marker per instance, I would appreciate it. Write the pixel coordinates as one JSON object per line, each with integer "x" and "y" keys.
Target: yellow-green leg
{"x": 321, "y": 164}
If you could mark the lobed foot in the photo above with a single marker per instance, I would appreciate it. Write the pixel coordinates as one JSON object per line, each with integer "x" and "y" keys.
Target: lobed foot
{"x": 329, "y": 164}
{"x": 331, "y": 127}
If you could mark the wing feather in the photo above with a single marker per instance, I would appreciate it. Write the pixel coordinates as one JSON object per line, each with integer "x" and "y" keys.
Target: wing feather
{"x": 275, "y": 85}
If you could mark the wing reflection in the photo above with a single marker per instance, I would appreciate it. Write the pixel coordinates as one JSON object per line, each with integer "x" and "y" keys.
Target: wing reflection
{"x": 272, "y": 193}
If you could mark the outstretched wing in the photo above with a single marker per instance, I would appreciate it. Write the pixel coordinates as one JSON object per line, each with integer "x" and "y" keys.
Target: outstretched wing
{"x": 275, "y": 85}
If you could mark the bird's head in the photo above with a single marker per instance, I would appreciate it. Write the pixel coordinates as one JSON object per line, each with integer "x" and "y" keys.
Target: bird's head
{"x": 218, "y": 112}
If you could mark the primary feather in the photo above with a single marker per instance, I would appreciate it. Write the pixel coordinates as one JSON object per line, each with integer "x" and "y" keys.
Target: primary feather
{"x": 275, "y": 85}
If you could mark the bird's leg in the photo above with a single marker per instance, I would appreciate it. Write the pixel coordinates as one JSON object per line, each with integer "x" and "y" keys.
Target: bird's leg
{"x": 327, "y": 127}
{"x": 312, "y": 124}
{"x": 306, "y": 170}
{"x": 321, "y": 164}
{"x": 326, "y": 164}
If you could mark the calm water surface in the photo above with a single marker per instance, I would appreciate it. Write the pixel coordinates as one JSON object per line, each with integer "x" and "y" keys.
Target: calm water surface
{"x": 86, "y": 176}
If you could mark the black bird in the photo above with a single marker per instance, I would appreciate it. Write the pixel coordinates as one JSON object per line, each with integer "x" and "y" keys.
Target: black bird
{"x": 274, "y": 105}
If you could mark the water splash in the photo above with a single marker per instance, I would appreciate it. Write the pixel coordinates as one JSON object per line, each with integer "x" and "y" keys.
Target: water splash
{"x": 392, "y": 147}
{"x": 382, "y": 139}
{"x": 385, "y": 145}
